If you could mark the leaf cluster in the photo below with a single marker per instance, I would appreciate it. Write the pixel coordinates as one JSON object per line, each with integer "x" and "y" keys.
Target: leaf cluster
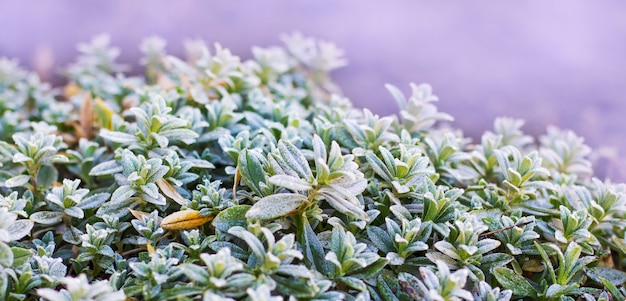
{"x": 217, "y": 178}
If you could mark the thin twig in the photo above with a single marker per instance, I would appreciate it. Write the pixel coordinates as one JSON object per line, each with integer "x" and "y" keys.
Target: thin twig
{"x": 504, "y": 229}
{"x": 137, "y": 250}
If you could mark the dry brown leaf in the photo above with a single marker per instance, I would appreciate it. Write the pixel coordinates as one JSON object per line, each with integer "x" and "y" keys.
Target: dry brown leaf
{"x": 165, "y": 83}
{"x": 183, "y": 220}
{"x": 169, "y": 191}
{"x": 237, "y": 179}
{"x": 607, "y": 260}
{"x": 533, "y": 266}
{"x": 86, "y": 116}
{"x": 138, "y": 214}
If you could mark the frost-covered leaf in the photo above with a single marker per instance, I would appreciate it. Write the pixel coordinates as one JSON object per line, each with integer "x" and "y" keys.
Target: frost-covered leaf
{"x": 17, "y": 181}
{"x": 516, "y": 283}
{"x": 231, "y": 217}
{"x": 47, "y": 217}
{"x": 276, "y": 205}
{"x": 616, "y": 277}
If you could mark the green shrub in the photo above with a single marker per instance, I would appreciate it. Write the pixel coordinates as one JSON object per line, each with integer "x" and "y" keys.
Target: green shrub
{"x": 213, "y": 178}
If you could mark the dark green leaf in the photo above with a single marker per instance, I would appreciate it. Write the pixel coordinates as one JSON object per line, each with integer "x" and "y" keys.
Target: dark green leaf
{"x": 616, "y": 277}
{"x": 231, "y": 217}
{"x": 20, "y": 256}
{"x": 380, "y": 239}
{"x": 314, "y": 255}
{"x": 354, "y": 283}
{"x": 516, "y": 283}
{"x": 251, "y": 169}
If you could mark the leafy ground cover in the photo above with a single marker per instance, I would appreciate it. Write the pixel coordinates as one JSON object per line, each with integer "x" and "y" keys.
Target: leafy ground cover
{"x": 213, "y": 178}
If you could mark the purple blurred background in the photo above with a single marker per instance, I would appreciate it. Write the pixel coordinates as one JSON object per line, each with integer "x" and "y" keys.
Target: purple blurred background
{"x": 560, "y": 62}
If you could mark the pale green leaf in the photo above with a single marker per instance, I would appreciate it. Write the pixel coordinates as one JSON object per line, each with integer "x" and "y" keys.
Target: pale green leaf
{"x": 291, "y": 183}
{"x": 276, "y": 205}
{"x": 17, "y": 181}
{"x": 47, "y": 217}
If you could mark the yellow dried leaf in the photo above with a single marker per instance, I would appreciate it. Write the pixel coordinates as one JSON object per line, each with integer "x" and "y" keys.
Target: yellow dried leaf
{"x": 183, "y": 220}
{"x": 104, "y": 114}
{"x": 150, "y": 248}
{"x": 71, "y": 89}
{"x": 169, "y": 191}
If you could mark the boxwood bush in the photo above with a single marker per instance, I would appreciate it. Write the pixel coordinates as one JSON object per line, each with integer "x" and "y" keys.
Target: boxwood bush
{"x": 214, "y": 178}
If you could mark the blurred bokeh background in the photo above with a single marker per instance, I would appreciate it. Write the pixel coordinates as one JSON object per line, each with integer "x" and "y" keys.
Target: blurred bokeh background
{"x": 560, "y": 62}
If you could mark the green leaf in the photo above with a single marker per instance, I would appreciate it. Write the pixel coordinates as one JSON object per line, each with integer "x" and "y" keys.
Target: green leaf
{"x": 116, "y": 209}
{"x": 371, "y": 270}
{"x": 106, "y": 168}
{"x": 253, "y": 242}
{"x": 46, "y": 176}
{"x": 291, "y": 183}
{"x": 343, "y": 205}
{"x": 94, "y": 201}
{"x": 196, "y": 273}
{"x": 72, "y": 235}
{"x": 231, "y": 217}
{"x": 20, "y": 256}
{"x": 319, "y": 149}
{"x": 118, "y": 137}
{"x": 495, "y": 260}
{"x": 380, "y": 239}
{"x": 384, "y": 285}
{"x": 613, "y": 289}
{"x": 314, "y": 256}
{"x": 276, "y": 205}
{"x": 546, "y": 260}
{"x": 294, "y": 271}
{"x": 397, "y": 95}
{"x": 122, "y": 194}
{"x": 295, "y": 159}
{"x": 74, "y": 212}
{"x": 47, "y": 217}
{"x": 6, "y": 255}
{"x": 251, "y": 169}
{"x": 516, "y": 283}
{"x": 21, "y": 158}
{"x": 58, "y": 159}
{"x": 162, "y": 141}
{"x": 354, "y": 283}
{"x": 378, "y": 166}
{"x": 557, "y": 290}
{"x": 616, "y": 277}
{"x": 17, "y": 181}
